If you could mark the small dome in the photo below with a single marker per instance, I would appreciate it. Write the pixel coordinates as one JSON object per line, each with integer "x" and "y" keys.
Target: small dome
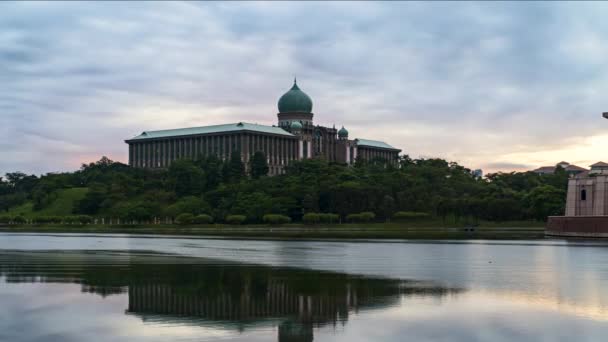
{"x": 296, "y": 125}
{"x": 343, "y": 133}
{"x": 295, "y": 101}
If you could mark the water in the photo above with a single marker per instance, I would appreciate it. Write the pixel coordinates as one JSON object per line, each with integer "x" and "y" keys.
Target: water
{"x": 73, "y": 287}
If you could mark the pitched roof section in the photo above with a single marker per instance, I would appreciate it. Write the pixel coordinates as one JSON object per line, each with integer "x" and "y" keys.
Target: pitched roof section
{"x": 545, "y": 169}
{"x": 375, "y": 143}
{"x": 234, "y": 127}
{"x": 575, "y": 168}
{"x": 600, "y": 164}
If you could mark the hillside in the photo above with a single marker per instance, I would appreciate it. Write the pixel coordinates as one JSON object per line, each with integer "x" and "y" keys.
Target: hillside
{"x": 61, "y": 206}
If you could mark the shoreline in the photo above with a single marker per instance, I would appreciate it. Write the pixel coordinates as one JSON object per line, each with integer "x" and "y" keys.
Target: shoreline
{"x": 307, "y": 232}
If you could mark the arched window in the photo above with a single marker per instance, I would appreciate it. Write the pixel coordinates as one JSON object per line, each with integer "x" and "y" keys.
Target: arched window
{"x": 583, "y": 195}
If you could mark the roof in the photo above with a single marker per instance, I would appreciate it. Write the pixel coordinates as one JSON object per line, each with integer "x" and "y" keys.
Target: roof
{"x": 374, "y": 143}
{"x": 600, "y": 164}
{"x": 295, "y": 101}
{"x": 545, "y": 169}
{"x": 233, "y": 127}
{"x": 574, "y": 168}
{"x": 568, "y": 168}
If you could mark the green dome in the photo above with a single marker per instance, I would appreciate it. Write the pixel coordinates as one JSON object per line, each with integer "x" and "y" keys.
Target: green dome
{"x": 295, "y": 101}
{"x": 296, "y": 125}
{"x": 343, "y": 133}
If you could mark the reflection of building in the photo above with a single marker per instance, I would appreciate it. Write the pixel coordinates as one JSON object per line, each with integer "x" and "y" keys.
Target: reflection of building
{"x": 569, "y": 168}
{"x": 181, "y": 290}
{"x": 295, "y": 137}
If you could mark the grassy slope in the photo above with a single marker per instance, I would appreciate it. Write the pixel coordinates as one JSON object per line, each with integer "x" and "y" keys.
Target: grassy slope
{"x": 61, "y": 206}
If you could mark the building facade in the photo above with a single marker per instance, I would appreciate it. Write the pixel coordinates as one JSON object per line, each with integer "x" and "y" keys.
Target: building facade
{"x": 586, "y": 213}
{"x": 588, "y": 192}
{"x": 295, "y": 137}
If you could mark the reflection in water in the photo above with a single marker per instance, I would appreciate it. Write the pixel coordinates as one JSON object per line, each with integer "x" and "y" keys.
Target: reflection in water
{"x": 171, "y": 289}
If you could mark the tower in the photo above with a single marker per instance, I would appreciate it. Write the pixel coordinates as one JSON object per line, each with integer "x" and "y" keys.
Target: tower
{"x": 294, "y": 106}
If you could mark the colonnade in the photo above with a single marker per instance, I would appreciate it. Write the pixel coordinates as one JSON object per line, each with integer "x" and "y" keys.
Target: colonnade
{"x": 372, "y": 153}
{"x": 160, "y": 153}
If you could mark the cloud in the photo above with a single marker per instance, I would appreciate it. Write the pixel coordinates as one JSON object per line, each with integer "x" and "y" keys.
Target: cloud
{"x": 486, "y": 84}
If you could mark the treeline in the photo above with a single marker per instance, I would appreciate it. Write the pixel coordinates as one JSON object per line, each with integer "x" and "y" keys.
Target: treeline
{"x": 311, "y": 191}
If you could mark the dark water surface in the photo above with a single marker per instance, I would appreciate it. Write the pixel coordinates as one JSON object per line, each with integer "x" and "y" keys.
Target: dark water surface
{"x": 144, "y": 288}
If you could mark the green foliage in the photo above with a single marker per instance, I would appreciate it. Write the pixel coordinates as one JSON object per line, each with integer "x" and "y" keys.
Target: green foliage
{"x": 353, "y": 218}
{"x": 18, "y": 220}
{"x": 367, "y": 216}
{"x": 329, "y": 218}
{"x": 219, "y": 188}
{"x": 138, "y": 211}
{"x": 5, "y": 219}
{"x": 276, "y": 219}
{"x": 314, "y": 218}
{"x": 235, "y": 219}
{"x": 258, "y": 165}
{"x": 234, "y": 170}
{"x": 184, "y": 218}
{"x": 47, "y": 219}
{"x": 203, "y": 219}
{"x": 190, "y": 204}
{"x": 311, "y": 218}
{"x": 77, "y": 220}
{"x": 185, "y": 178}
{"x": 546, "y": 200}
{"x": 410, "y": 216}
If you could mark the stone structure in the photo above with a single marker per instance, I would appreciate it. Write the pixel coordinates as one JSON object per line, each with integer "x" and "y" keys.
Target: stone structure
{"x": 295, "y": 137}
{"x": 586, "y": 205}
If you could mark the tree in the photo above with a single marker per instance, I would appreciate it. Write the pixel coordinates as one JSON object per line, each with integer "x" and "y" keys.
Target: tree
{"x": 258, "y": 165}
{"x": 91, "y": 203}
{"x": 190, "y": 204}
{"x": 186, "y": 178}
{"x": 234, "y": 170}
{"x": 546, "y": 201}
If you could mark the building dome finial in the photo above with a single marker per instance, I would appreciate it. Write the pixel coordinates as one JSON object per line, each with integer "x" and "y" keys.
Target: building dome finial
{"x": 295, "y": 101}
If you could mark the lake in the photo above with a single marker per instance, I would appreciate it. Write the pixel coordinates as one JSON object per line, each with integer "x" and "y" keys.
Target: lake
{"x": 112, "y": 287}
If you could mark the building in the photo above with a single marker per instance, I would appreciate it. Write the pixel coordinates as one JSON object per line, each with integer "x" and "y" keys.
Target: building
{"x": 295, "y": 137}
{"x": 477, "y": 173}
{"x": 569, "y": 168}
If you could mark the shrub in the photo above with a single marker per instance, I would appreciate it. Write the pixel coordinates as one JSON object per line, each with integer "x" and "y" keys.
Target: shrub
{"x": 311, "y": 218}
{"x": 367, "y": 216}
{"x": 409, "y": 215}
{"x": 353, "y": 217}
{"x": 235, "y": 219}
{"x": 276, "y": 219}
{"x": 5, "y": 219}
{"x": 203, "y": 219}
{"x": 71, "y": 220}
{"x": 185, "y": 218}
{"x": 329, "y": 218}
{"x": 85, "y": 219}
{"x": 47, "y": 219}
{"x": 19, "y": 220}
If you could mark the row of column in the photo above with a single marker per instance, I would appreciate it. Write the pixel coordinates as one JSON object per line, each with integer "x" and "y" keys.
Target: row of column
{"x": 160, "y": 153}
{"x": 279, "y": 300}
{"x": 369, "y": 154}
{"x": 351, "y": 154}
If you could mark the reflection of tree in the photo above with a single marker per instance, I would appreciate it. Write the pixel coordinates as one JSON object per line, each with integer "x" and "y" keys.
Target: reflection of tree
{"x": 182, "y": 289}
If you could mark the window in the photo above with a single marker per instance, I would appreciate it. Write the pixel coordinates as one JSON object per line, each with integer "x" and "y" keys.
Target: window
{"x": 583, "y": 195}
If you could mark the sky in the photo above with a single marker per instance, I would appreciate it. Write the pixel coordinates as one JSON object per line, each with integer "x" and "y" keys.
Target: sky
{"x": 497, "y": 86}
